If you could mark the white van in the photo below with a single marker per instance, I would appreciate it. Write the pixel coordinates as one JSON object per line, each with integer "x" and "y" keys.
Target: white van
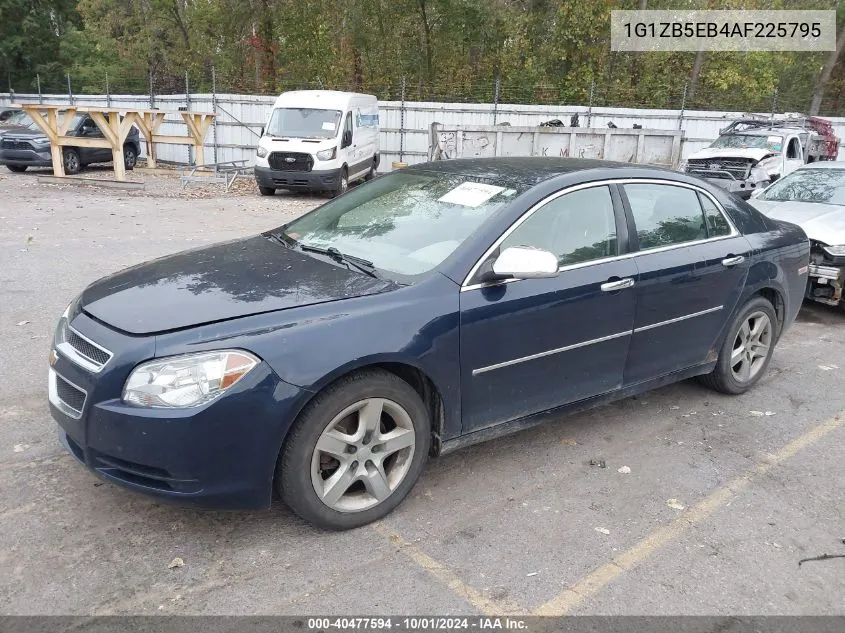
{"x": 318, "y": 140}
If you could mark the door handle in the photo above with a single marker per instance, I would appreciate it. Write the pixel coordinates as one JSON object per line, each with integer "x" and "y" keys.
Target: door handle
{"x": 733, "y": 260}
{"x": 619, "y": 284}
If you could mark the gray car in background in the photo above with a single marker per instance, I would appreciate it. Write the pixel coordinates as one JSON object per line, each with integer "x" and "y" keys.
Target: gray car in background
{"x": 28, "y": 146}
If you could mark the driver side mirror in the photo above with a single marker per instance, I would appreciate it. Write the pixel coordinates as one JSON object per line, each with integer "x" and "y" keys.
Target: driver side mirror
{"x": 522, "y": 262}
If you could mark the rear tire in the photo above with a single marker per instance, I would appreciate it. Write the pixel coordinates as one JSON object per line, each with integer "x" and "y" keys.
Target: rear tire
{"x": 266, "y": 191}
{"x": 331, "y": 488}
{"x": 18, "y": 169}
{"x": 747, "y": 349}
{"x": 372, "y": 173}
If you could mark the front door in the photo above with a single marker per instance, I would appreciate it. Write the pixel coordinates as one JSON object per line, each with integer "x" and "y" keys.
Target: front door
{"x": 793, "y": 157}
{"x": 534, "y": 344}
{"x": 692, "y": 266}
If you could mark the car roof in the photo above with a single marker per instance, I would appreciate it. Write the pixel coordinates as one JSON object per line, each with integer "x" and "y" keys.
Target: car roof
{"x": 528, "y": 169}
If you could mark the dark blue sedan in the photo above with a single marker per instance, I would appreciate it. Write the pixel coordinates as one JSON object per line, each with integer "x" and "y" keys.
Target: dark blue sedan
{"x": 435, "y": 307}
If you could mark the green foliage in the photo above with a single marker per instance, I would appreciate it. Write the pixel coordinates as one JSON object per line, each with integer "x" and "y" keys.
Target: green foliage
{"x": 541, "y": 51}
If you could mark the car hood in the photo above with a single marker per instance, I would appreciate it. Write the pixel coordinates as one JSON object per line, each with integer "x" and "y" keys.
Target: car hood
{"x": 20, "y": 132}
{"x": 220, "y": 282}
{"x": 757, "y": 153}
{"x": 821, "y": 222}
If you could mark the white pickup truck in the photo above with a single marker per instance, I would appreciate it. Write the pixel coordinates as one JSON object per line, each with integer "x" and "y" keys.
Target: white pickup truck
{"x": 753, "y": 152}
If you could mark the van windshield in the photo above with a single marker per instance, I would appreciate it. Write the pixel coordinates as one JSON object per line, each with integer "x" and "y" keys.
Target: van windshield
{"x": 742, "y": 141}
{"x": 304, "y": 123}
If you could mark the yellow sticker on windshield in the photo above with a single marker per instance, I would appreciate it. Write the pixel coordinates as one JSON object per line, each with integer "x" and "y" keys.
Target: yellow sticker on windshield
{"x": 471, "y": 194}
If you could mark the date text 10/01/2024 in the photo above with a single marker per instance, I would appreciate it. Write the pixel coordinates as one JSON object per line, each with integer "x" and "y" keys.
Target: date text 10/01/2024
{"x": 430, "y": 623}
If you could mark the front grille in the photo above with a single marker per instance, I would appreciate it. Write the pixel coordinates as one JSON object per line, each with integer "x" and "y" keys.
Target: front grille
{"x": 71, "y": 396}
{"x": 87, "y": 349}
{"x": 295, "y": 182}
{"x": 81, "y": 350}
{"x": 12, "y": 144}
{"x": 281, "y": 161}
{"x": 720, "y": 167}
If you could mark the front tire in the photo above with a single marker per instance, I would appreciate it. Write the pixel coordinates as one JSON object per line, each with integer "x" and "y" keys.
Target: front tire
{"x": 266, "y": 191}
{"x": 747, "y": 349}
{"x": 342, "y": 184}
{"x": 72, "y": 164}
{"x": 355, "y": 451}
{"x": 130, "y": 157}
{"x": 18, "y": 169}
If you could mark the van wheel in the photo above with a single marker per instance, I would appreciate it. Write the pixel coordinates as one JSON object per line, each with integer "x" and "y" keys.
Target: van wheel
{"x": 372, "y": 173}
{"x": 747, "y": 349}
{"x": 355, "y": 452}
{"x": 18, "y": 169}
{"x": 266, "y": 191}
{"x": 342, "y": 185}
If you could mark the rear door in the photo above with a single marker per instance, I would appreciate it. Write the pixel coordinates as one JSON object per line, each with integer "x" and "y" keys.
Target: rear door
{"x": 535, "y": 344}
{"x": 692, "y": 266}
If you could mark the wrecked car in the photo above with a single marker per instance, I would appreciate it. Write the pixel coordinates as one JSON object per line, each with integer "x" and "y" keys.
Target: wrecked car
{"x": 813, "y": 197}
{"x": 753, "y": 152}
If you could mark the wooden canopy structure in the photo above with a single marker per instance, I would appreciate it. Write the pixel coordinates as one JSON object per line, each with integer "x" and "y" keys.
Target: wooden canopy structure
{"x": 115, "y": 124}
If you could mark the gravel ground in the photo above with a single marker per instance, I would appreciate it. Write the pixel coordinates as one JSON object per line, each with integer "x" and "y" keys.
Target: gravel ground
{"x": 720, "y": 504}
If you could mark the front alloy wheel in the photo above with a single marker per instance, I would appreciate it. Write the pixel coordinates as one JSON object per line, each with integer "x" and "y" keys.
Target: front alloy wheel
{"x": 355, "y": 451}
{"x": 363, "y": 455}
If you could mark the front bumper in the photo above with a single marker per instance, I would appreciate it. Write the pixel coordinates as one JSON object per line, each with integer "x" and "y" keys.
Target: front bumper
{"x": 826, "y": 283}
{"x": 28, "y": 157}
{"x": 327, "y": 180}
{"x": 220, "y": 455}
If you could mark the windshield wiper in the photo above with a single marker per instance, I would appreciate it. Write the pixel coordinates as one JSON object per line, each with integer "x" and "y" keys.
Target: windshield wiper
{"x": 282, "y": 238}
{"x": 365, "y": 266}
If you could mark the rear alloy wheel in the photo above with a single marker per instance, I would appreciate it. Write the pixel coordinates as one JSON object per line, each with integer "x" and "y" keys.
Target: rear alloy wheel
{"x": 747, "y": 349}
{"x": 71, "y": 161}
{"x": 130, "y": 157}
{"x": 266, "y": 191}
{"x": 355, "y": 452}
{"x": 18, "y": 169}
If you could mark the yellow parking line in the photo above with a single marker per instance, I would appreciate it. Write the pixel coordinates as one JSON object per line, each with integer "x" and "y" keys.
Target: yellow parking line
{"x": 596, "y": 580}
{"x": 448, "y": 577}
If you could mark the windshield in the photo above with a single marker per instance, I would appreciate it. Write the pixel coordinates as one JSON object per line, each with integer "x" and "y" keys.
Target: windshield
{"x": 826, "y": 186}
{"x": 19, "y": 119}
{"x": 404, "y": 222}
{"x": 304, "y": 123}
{"x": 772, "y": 142}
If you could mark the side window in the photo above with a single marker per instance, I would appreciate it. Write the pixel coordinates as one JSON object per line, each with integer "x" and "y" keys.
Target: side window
{"x": 577, "y": 227}
{"x": 716, "y": 223}
{"x": 793, "y": 150}
{"x": 665, "y": 214}
{"x": 348, "y": 126}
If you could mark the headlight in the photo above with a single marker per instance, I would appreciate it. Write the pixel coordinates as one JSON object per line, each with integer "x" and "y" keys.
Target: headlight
{"x": 682, "y": 166}
{"x": 41, "y": 140}
{"x": 261, "y": 152}
{"x": 835, "y": 251}
{"x": 186, "y": 381}
{"x": 327, "y": 154}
